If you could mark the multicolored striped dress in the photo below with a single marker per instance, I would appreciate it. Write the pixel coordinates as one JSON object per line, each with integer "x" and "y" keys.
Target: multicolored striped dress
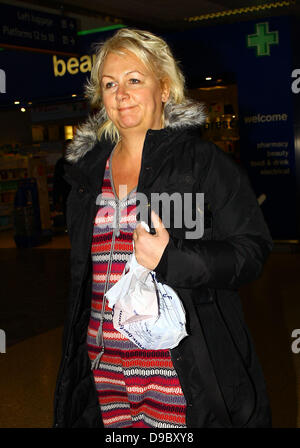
{"x": 136, "y": 388}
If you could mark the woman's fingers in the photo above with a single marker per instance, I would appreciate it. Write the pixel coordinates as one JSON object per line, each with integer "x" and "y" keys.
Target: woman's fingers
{"x": 149, "y": 248}
{"x": 157, "y": 222}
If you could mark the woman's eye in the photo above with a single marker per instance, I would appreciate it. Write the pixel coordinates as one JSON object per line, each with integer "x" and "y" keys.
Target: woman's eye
{"x": 109, "y": 85}
{"x": 134, "y": 81}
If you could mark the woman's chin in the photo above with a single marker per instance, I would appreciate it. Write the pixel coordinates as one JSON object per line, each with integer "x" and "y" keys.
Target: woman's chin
{"x": 129, "y": 124}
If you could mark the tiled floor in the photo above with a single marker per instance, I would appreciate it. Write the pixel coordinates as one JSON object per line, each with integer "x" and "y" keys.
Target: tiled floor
{"x": 60, "y": 241}
{"x": 34, "y": 289}
{"x": 27, "y": 381}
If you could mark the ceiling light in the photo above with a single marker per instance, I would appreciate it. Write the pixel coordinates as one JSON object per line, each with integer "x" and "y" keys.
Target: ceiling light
{"x": 97, "y": 30}
{"x": 244, "y": 10}
{"x": 208, "y": 78}
{"x": 23, "y": 109}
{"x": 212, "y": 88}
{"x": 17, "y": 102}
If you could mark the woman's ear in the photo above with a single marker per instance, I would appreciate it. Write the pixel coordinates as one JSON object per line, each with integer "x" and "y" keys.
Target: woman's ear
{"x": 165, "y": 90}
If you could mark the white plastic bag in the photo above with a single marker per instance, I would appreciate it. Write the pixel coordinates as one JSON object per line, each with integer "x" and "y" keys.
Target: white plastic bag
{"x": 146, "y": 311}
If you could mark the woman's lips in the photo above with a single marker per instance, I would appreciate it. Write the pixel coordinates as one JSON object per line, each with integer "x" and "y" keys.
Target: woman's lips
{"x": 123, "y": 109}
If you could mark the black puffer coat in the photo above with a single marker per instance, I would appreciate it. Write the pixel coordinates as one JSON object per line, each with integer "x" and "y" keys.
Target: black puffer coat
{"x": 217, "y": 366}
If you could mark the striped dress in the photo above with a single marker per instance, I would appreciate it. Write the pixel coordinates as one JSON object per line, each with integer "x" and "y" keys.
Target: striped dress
{"x": 136, "y": 388}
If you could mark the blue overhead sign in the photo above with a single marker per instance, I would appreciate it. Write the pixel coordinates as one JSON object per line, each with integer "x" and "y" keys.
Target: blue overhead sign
{"x": 35, "y": 30}
{"x": 259, "y": 53}
{"x": 45, "y": 76}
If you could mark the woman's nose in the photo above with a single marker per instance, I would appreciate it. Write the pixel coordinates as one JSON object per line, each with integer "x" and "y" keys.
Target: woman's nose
{"x": 122, "y": 92}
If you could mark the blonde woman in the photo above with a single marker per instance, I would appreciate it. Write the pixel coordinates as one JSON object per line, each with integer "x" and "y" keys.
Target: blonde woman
{"x": 145, "y": 140}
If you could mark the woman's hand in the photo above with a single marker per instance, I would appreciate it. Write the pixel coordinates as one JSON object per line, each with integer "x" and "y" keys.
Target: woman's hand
{"x": 149, "y": 248}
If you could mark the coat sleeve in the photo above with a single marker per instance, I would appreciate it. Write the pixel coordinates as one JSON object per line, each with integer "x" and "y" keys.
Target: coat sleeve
{"x": 240, "y": 242}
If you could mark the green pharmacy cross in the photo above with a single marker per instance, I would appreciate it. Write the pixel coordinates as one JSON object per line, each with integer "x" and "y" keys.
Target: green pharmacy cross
{"x": 263, "y": 39}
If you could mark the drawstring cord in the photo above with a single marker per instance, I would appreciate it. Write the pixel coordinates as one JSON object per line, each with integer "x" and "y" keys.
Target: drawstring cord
{"x": 99, "y": 337}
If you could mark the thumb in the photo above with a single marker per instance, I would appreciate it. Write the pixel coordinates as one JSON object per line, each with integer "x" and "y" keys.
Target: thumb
{"x": 157, "y": 222}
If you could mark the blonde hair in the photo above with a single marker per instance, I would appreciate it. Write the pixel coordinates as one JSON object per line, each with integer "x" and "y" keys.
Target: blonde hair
{"x": 156, "y": 56}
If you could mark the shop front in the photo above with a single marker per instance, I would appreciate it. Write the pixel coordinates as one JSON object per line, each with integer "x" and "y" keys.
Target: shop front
{"x": 241, "y": 71}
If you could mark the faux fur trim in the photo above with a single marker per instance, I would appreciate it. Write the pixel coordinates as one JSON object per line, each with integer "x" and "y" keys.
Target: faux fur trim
{"x": 187, "y": 114}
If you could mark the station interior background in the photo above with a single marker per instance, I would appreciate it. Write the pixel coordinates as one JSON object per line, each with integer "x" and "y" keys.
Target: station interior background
{"x": 42, "y": 107}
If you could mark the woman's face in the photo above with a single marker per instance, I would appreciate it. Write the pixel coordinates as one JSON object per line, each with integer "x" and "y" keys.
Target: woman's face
{"x": 132, "y": 95}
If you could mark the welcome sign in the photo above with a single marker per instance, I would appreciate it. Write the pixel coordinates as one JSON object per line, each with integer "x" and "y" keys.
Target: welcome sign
{"x": 266, "y": 123}
{"x": 258, "y": 54}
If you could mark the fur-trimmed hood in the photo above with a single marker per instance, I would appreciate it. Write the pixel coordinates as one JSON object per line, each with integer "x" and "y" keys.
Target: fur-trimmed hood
{"x": 187, "y": 114}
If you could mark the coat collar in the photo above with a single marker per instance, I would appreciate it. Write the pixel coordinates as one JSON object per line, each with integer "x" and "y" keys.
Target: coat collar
{"x": 177, "y": 117}
{"x": 86, "y": 155}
